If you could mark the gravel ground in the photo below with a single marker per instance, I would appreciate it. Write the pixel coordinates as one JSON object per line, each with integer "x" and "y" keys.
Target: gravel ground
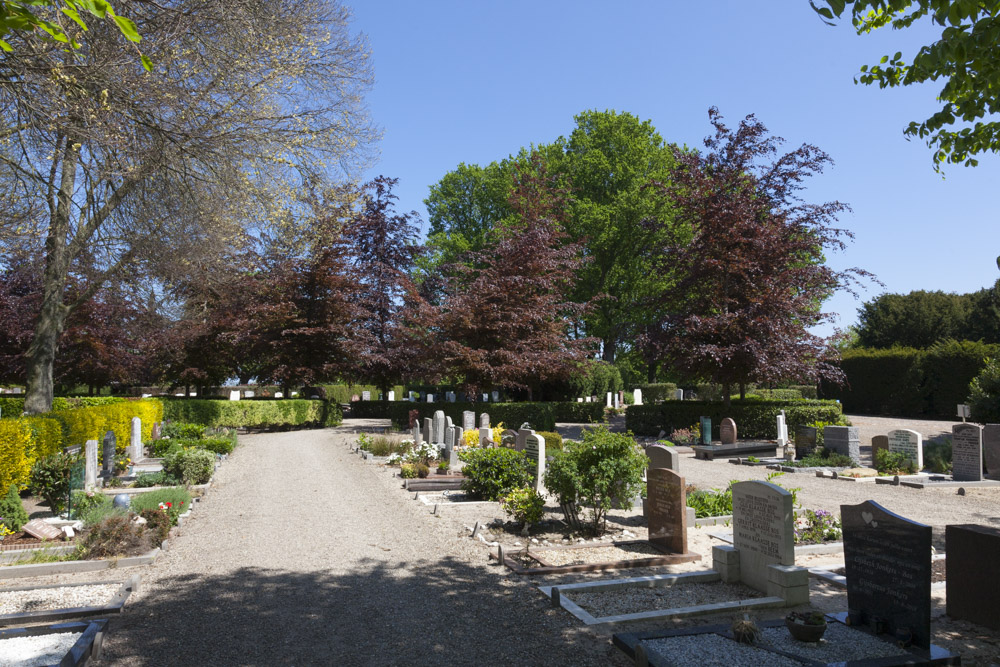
{"x": 714, "y": 651}
{"x": 839, "y": 644}
{"x": 635, "y": 599}
{"x": 41, "y": 650}
{"x": 17, "y": 602}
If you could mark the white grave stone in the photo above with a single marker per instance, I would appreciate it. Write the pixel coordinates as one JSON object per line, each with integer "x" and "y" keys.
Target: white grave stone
{"x": 590, "y": 399}
{"x": 763, "y": 531}
{"x": 496, "y": 396}
{"x": 248, "y": 394}
{"x": 534, "y": 447}
{"x": 484, "y": 420}
{"x": 135, "y": 443}
{"x": 617, "y": 404}
{"x": 418, "y": 435}
{"x": 430, "y": 398}
{"x": 579, "y": 400}
{"x": 234, "y": 395}
{"x": 366, "y": 396}
{"x": 279, "y": 394}
{"x": 679, "y": 394}
{"x": 392, "y": 395}
{"x": 90, "y": 465}
{"x": 468, "y": 420}
{"x": 637, "y": 397}
{"x": 610, "y": 403}
{"x": 485, "y": 436}
{"x": 909, "y": 443}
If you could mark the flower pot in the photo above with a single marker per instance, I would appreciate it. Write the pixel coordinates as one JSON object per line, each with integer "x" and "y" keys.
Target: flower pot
{"x": 805, "y": 633}
{"x": 442, "y": 472}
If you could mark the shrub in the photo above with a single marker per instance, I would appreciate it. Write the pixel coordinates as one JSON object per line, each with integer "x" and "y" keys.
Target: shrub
{"x": 175, "y": 501}
{"x": 48, "y": 435}
{"x": 893, "y": 463}
{"x": 158, "y": 524}
{"x": 254, "y": 413}
{"x": 524, "y": 505}
{"x": 423, "y": 470}
{"x": 492, "y": 473}
{"x": 937, "y": 456}
{"x": 215, "y": 445}
{"x": 659, "y": 391}
{"x": 817, "y": 527}
{"x": 755, "y": 418}
{"x": 408, "y": 471}
{"x": 823, "y": 458}
{"x": 148, "y": 479}
{"x": 93, "y": 507}
{"x": 12, "y": 514}
{"x": 553, "y": 441}
{"x": 984, "y": 393}
{"x": 116, "y": 535}
{"x": 91, "y": 422}
{"x": 711, "y": 502}
{"x": 50, "y": 480}
{"x": 603, "y": 469}
{"x": 183, "y": 430}
{"x": 16, "y": 452}
{"x": 192, "y": 466}
{"x": 383, "y": 445}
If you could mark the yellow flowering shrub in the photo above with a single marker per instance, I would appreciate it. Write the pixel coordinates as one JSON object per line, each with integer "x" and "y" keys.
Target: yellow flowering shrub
{"x": 48, "y": 435}
{"x": 471, "y": 438}
{"x": 91, "y": 423}
{"x": 17, "y": 448}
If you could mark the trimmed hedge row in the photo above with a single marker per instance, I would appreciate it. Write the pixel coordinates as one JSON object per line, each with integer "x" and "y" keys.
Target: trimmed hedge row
{"x": 253, "y": 414}
{"x": 341, "y": 393}
{"x": 658, "y": 391}
{"x": 755, "y": 418}
{"x": 541, "y": 416}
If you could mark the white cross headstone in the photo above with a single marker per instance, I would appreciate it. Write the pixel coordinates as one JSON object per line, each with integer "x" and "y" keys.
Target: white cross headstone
{"x": 637, "y": 397}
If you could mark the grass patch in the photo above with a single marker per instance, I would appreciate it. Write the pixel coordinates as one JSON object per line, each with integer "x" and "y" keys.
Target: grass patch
{"x": 384, "y": 445}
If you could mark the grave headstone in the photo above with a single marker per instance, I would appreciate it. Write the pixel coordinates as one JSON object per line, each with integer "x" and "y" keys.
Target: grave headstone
{"x": 679, "y": 394}
{"x": 805, "y": 441}
{"x": 888, "y": 566}
{"x": 496, "y": 396}
{"x": 966, "y": 453}
{"x": 108, "y": 446}
{"x": 590, "y": 399}
{"x": 135, "y": 444}
{"x": 763, "y": 531}
{"x": 234, "y": 395}
{"x": 991, "y": 450}
{"x": 428, "y": 429}
{"x": 534, "y": 447}
{"x": 430, "y": 398}
{"x": 366, "y": 396}
{"x": 485, "y": 437}
{"x": 413, "y": 396}
{"x": 973, "y": 584}
{"x": 248, "y": 394}
{"x": 661, "y": 456}
{"x": 706, "y": 430}
{"x": 615, "y": 402}
{"x": 782, "y": 430}
{"x": 637, "y": 397}
{"x": 610, "y": 403}
{"x": 438, "y": 425}
{"x": 90, "y": 465}
{"x": 355, "y": 398}
{"x": 666, "y": 510}
{"x": 579, "y": 400}
{"x": 157, "y": 431}
{"x": 484, "y": 420}
{"x": 392, "y": 395}
{"x": 879, "y": 442}
{"x": 844, "y": 440}
{"x": 279, "y": 394}
{"x": 486, "y": 398}
{"x": 727, "y": 431}
{"x": 909, "y": 443}
{"x": 521, "y": 439}
{"x": 41, "y": 530}
{"x": 418, "y": 436}
{"x": 468, "y": 420}
{"x": 508, "y": 438}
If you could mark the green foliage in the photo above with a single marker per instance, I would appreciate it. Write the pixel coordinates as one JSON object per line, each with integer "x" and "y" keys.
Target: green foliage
{"x": 11, "y": 407}
{"x": 541, "y": 416}
{"x": 918, "y": 319}
{"x": 177, "y": 500}
{"x": 817, "y": 527}
{"x": 157, "y": 524}
{"x": 590, "y": 378}
{"x": 148, "y": 479}
{"x": 562, "y": 477}
{"x": 755, "y": 418}
{"x": 408, "y": 470}
{"x": 93, "y": 507}
{"x": 83, "y": 421}
{"x": 823, "y": 458}
{"x": 553, "y": 441}
{"x": 658, "y": 391}
{"x": 254, "y": 413}
{"x": 216, "y": 445}
{"x": 984, "y": 393}
{"x": 492, "y": 473}
{"x": 937, "y": 456}
{"x": 50, "y": 480}
{"x": 192, "y": 466}
{"x": 17, "y": 452}
{"x": 383, "y": 445}
{"x": 525, "y": 505}
{"x": 893, "y": 463}
{"x": 182, "y": 430}
{"x": 964, "y": 58}
{"x": 711, "y": 502}
{"x": 12, "y": 512}
{"x": 423, "y": 470}
{"x": 342, "y": 393}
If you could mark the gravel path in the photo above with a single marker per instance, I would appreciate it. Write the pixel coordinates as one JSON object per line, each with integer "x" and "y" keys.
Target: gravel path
{"x": 303, "y": 554}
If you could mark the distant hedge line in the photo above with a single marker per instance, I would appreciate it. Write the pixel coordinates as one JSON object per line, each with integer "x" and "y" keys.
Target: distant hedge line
{"x": 253, "y": 414}
{"x": 541, "y": 416}
{"x": 755, "y": 418}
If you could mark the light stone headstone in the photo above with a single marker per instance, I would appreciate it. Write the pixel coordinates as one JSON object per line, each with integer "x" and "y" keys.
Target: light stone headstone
{"x": 610, "y": 403}
{"x": 418, "y": 436}
{"x": 413, "y": 396}
{"x": 679, "y": 394}
{"x": 844, "y": 440}
{"x": 249, "y": 394}
{"x": 108, "y": 446}
{"x": 496, "y": 396}
{"x": 392, "y": 395}
{"x": 521, "y": 438}
{"x": 966, "y": 453}
{"x": 438, "y": 425}
{"x": 589, "y": 399}
{"x": 534, "y": 448}
{"x": 90, "y": 465}
{"x": 637, "y": 397}
{"x": 234, "y": 395}
{"x": 485, "y": 437}
{"x": 428, "y": 429}
{"x": 279, "y": 394}
{"x": 450, "y": 442}
{"x": 135, "y": 444}
{"x": 430, "y": 398}
{"x": 991, "y": 450}
{"x": 666, "y": 511}
{"x": 661, "y": 456}
{"x": 484, "y": 420}
{"x": 579, "y": 400}
{"x": 727, "y": 431}
{"x": 468, "y": 420}
{"x": 157, "y": 430}
{"x": 909, "y": 443}
{"x": 763, "y": 530}
{"x": 366, "y": 396}
{"x": 782, "y": 430}
{"x": 486, "y": 398}
{"x": 615, "y": 402}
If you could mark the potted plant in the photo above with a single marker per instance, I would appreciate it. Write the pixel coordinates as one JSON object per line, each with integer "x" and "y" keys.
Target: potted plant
{"x": 443, "y": 468}
{"x": 745, "y": 630}
{"x": 806, "y": 626}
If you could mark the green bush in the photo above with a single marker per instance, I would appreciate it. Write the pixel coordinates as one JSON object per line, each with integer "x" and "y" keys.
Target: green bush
{"x": 12, "y": 513}
{"x": 178, "y": 498}
{"x": 383, "y": 445}
{"x": 823, "y": 458}
{"x": 525, "y": 506}
{"x": 342, "y": 393}
{"x": 157, "y": 524}
{"x": 658, "y": 391}
{"x": 492, "y": 473}
{"x": 192, "y": 466}
{"x": 408, "y": 471}
{"x": 50, "y": 480}
{"x": 778, "y": 394}
{"x": 216, "y": 445}
{"x": 604, "y": 469}
{"x": 93, "y": 507}
{"x": 182, "y": 430}
{"x": 711, "y": 502}
{"x": 553, "y": 441}
{"x": 937, "y": 456}
{"x": 984, "y": 393}
{"x": 148, "y": 479}
{"x": 253, "y": 414}
{"x": 541, "y": 416}
{"x": 893, "y": 463}
{"x": 11, "y": 407}
{"x": 755, "y": 418}
{"x": 423, "y": 470}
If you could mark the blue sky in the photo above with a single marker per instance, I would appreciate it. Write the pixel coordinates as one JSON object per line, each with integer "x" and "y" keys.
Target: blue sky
{"x": 475, "y": 81}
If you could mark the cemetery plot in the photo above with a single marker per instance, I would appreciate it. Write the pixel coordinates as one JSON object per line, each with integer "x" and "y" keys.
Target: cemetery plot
{"x": 64, "y": 601}
{"x": 63, "y": 644}
{"x": 618, "y": 555}
{"x": 746, "y": 448}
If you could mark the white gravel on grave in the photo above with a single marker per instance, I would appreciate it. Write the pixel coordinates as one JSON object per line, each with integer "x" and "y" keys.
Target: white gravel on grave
{"x": 710, "y": 650}
{"x": 38, "y": 650}
{"x": 66, "y": 597}
{"x": 605, "y": 554}
{"x": 633, "y": 600}
{"x": 839, "y": 644}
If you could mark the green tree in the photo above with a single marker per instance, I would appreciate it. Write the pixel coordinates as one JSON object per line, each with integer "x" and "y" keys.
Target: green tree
{"x": 918, "y": 319}
{"x": 966, "y": 58}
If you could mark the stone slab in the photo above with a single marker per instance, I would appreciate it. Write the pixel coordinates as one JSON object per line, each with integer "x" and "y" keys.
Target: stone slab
{"x": 666, "y": 510}
{"x": 711, "y": 452}
{"x": 967, "y": 452}
{"x": 973, "y": 583}
{"x": 844, "y": 440}
{"x": 762, "y": 530}
{"x": 41, "y": 530}
{"x": 661, "y": 456}
{"x": 991, "y": 450}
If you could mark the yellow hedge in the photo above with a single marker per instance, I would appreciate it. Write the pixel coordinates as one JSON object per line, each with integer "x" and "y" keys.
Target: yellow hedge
{"x": 47, "y": 434}
{"x": 91, "y": 423}
{"x": 16, "y": 452}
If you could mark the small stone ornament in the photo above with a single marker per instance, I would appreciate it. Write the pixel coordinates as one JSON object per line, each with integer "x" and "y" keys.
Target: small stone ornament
{"x": 122, "y": 501}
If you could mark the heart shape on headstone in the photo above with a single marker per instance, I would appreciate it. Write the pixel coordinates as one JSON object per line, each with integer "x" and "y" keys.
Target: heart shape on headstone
{"x": 868, "y": 516}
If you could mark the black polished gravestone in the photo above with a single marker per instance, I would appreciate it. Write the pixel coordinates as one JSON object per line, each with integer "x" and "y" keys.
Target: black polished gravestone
{"x": 888, "y": 567}
{"x": 805, "y": 441}
{"x": 973, "y": 586}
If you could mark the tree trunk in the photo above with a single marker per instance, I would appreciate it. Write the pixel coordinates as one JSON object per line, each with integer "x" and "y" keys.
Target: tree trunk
{"x": 610, "y": 348}
{"x": 743, "y": 390}
{"x": 727, "y": 389}
{"x": 651, "y": 372}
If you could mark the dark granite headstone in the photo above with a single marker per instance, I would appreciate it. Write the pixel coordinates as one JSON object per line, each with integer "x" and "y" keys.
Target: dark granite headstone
{"x": 973, "y": 585}
{"x": 844, "y": 440}
{"x": 661, "y": 456}
{"x": 666, "y": 510}
{"x": 805, "y": 441}
{"x": 991, "y": 450}
{"x": 888, "y": 564}
{"x": 108, "y": 453}
{"x": 966, "y": 453}
{"x": 727, "y": 431}
{"x": 879, "y": 442}
{"x": 706, "y": 430}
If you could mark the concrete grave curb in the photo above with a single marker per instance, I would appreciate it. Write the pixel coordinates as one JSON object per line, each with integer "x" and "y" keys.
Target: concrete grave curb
{"x": 115, "y": 606}
{"x": 87, "y": 647}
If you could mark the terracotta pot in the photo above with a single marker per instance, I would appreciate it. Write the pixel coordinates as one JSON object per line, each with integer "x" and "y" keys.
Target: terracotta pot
{"x": 805, "y": 633}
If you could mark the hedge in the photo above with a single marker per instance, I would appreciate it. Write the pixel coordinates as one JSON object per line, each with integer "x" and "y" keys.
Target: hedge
{"x": 92, "y": 423}
{"x": 253, "y": 414}
{"x": 341, "y": 393}
{"x": 541, "y": 416}
{"x": 17, "y": 447}
{"x": 755, "y": 418}
{"x": 659, "y": 391}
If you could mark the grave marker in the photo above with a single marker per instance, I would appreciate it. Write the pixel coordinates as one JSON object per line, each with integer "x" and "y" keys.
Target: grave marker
{"x": 991, "y": 450}
{"x": 90, "y": 465}
{"x": 437, "y": 434}
{"x": 430, "y": 398}
{"x": 666, "y": 510}
{"x": 279, "y": 394}
{"x": 521, "y": 438}
{"x": 610, "y": 402}
{"x": 366, "y": 396}
{"x": 449, "y": 396}
{"x": 909, "y": 443}
{"x": 762, "y": 530}
{"x": 428, "y": 429}
{"x": 661, "y": 456}
{"x": 496, "y": 396}
{"x": 973, "y": 584}
{"x": 108, "y": 446}
{"x": 485, "y": 437}
{"x": 468, "y": 420}
{"x": 392, "y": 395}
{"x": 637, "y": 397}
{"x": 706, "y": 430}
{"x": 508, "y": 438}
{"x": 535, "y": 449}
{"x": 844, "y": 440}
{"x": 41, "y": 530}
{"x": 135, "y": 445}
{"x": 805, "y": 441}
{"x": 234, "y": 395}
{"x": 782, "y": 430}
{"x": 678, "y": 394}
{"x": 590, "y": 399}
{"x": 484, "y": 420}
{"x": 579, "y": 400}
{"x": 248, "y": 394}
{"x": 888, "y": 563}
{"x": 727, "y": 431}
{"x": 418, "y": 436}
{"x": 879, "y": 442}
{"x": 966, "y": 453}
